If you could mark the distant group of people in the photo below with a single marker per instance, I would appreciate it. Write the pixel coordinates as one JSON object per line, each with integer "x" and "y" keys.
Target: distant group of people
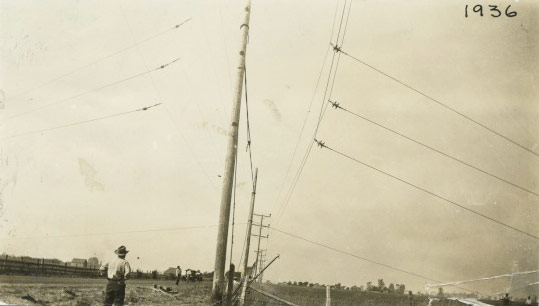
{"x": 506, "y": 300}
{"x": 190, "y": 275}
{"x": 529, "y": 301}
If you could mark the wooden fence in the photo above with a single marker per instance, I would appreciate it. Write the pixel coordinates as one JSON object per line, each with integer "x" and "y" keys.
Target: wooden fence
{"x": 39, "y": 267}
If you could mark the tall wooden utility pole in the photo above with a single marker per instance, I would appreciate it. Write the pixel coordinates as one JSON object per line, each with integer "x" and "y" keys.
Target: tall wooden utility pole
{"x": 244, "y": 264}
{"x": 258, "y": 261}
{"x": 262, "y": 262}
{"x": 259, "y": 252}
{"x": 228, "y": 176}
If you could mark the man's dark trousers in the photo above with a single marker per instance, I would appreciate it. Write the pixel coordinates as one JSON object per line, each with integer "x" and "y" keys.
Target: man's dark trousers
{"x": 115, "y": 293}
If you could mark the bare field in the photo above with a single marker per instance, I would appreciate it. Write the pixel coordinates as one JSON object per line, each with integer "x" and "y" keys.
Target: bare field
{"x": 90, "y": 292}
{"x": 317, "y": 297}
{"x": 86, "y": 292}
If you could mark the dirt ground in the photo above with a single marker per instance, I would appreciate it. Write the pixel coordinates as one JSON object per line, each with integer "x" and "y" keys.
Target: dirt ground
{"x": 86, "y": 292}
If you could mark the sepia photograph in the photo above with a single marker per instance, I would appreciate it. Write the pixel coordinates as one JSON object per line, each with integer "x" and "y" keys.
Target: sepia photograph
{"x": 269, "y": 152}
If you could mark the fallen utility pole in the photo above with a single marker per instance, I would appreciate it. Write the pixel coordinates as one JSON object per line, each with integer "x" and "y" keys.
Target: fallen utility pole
{"x": 249, "y": 280}
{"x": 228, "y": 175}
{"x": 257, "y": 275}
{"x": 274, "y": 297}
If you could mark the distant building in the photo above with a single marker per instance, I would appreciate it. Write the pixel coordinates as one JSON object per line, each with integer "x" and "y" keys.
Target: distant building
{"x": 170, "y": 271}
{"x": 77, "y": 262}
{"x": 93, "y": 263}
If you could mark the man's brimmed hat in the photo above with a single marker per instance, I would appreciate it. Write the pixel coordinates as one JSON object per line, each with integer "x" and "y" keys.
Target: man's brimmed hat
{"x": 121, "y": 250}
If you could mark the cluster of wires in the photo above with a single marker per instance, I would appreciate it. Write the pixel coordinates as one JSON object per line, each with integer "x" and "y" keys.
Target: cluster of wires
{"x": 327, "y": 100}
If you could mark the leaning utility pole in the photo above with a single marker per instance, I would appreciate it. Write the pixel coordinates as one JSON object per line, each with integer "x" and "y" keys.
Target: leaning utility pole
{"x": 244, "y": 264}
{"x": 228, "y": 175}
{"x": 245, "y": 261}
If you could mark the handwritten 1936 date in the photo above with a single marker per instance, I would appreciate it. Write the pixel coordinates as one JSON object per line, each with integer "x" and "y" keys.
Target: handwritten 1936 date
{"x": 494, "y": 11}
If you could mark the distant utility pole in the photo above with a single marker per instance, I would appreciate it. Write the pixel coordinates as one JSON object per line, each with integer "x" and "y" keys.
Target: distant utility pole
{"x": 219, "y": 282}
{"x": 259, "y": 252}
{"x": 262, "y": 265}
{"x": 328, "y": 295}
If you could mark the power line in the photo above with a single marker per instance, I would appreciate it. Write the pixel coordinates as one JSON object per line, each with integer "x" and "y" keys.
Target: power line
{"x": 248, "y": 128}
{"x": 518, "y": 288}
{"x": 337, "y": 105}
{"x": 323, "y": 145}
{"x": 338, "y": 58}
{"x": 81, "y": 122}
{"x": 335, "y": 50}
{"x": 301, "y": 131}
{"x": 438, "y": 102}
{"x": 103, "y": 58}
{"x": 294, "y": 182}
{"x": 364, "y": 258}
{"x": 308, "y": 110}
{"x": 482, "y": 279}
{"x": 92, "y": 90}
{"x": 302, "y": 164}
{"x": 307, "y": 153}
{"x": 320, "y": 116}
{"x": 242, "y": 248}
{"x": 325, "y": 94}
{"x": 324, "y": 106}
{"x": 346, "y": 24}
{"x": 158, "y": 93}
{"x": 340, "y": 23}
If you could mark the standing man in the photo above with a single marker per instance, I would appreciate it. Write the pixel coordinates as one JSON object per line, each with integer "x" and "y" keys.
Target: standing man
{"x": 178, "y": 275}
{"x": 506, "y": 300}
{"x": 118, "y": 271}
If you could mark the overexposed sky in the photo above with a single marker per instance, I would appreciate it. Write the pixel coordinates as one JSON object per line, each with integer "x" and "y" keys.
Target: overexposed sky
{"x": 161, "y": 169}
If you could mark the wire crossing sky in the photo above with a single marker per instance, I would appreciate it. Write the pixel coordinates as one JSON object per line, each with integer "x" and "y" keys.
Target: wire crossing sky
{"x": 323, "y": 145}
{"x": 482, "y": 279}
{"x": 337, "y": 105}
{"x": 438, "y": 102}
{"x": 81, "y": 122}
{"x": 93, "y": 89}
{"x": 71, "y": 72}
{"x": 368, "y": 260}
{"x": 75, "y": 70}
{"x": 331, "y": 79}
